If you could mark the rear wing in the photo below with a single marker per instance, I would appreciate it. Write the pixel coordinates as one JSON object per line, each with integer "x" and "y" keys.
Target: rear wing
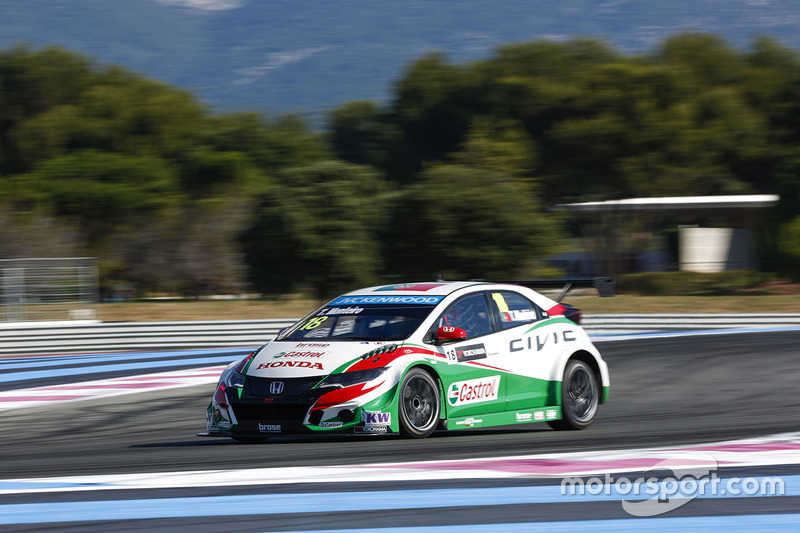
{"x": 606, "y": 287}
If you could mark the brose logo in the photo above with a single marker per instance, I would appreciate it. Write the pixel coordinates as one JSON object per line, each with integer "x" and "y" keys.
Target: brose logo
{"x": 474, "y": 391}
{"x": 269, "y": 428}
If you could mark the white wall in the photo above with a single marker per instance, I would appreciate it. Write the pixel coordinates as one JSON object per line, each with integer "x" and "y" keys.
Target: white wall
{"x": 716, "y": 249}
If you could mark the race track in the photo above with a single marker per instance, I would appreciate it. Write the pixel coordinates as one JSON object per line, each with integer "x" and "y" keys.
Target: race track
{"x": 665, "y": 392}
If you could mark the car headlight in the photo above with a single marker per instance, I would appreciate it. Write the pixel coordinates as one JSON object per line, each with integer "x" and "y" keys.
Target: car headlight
{"x": 233, "y": 375}
{"x": 352, "y": 378}
{"x": 231, "y": 378}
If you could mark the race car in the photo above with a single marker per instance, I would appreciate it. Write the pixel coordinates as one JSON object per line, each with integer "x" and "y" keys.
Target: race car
{"x": 412, "y": 358}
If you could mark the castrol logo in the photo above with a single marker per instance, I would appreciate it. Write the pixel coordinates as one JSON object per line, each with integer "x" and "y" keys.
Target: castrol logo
{"x": 474, "y": 391}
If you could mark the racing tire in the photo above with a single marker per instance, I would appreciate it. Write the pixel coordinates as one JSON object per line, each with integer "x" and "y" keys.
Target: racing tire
{"x": 580, "y": 395}
{"x": 419, "y": 404}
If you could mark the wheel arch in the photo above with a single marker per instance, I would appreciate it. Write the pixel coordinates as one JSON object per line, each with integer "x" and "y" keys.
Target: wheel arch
{"x": 439, "y": 383}
{"x": 589, "y": 359}
{"x": 426, "y": 368}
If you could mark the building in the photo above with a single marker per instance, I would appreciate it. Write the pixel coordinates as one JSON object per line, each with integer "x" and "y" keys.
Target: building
{"x": 714, "y": 233}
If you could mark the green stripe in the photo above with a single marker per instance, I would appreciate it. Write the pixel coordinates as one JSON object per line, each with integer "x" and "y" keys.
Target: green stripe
{"x": 505, "y": 418}
{"x": 550, "y": 322}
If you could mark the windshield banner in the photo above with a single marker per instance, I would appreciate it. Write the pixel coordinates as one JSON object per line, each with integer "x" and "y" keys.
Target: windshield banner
{"x": 361, "y": 300}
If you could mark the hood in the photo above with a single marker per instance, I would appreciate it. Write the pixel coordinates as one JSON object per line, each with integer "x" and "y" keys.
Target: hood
{"x": 291, "y": 359}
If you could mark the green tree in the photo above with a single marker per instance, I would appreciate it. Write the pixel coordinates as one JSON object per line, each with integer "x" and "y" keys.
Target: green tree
{"x": 36, "y": 233}
{"x": 433, "y": 108}
{"x": 100, "y": 191}
{"x": 790, "y": 248}
{"x": 703, "y": 59}
{"x": 190, "y": 249}
{"x": 498, "y": 145}
{"x": 467, "y": 223}
{"x": 318, "y": 226}
{"x": 357, "y": 133}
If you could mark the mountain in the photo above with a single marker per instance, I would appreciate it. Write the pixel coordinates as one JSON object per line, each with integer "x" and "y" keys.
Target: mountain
{"x": 282, "y": 56}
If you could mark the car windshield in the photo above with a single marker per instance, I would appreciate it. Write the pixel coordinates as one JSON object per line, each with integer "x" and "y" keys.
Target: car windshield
{"x": 359, "y": 322}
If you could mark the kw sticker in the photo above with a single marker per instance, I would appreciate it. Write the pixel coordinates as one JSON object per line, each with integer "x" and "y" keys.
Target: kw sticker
{"x": 376, "y": 418}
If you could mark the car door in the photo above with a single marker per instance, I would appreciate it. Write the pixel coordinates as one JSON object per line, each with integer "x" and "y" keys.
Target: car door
{"x": 526, "y": 352}
{"x": 472, "y": 384}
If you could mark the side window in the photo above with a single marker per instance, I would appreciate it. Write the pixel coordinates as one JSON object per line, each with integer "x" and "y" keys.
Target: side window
{"x": 470, "y": 314}
{"x": 514, "y": 309}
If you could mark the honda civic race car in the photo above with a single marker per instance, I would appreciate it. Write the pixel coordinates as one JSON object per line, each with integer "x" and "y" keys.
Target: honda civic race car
{"x": 414, "y": 358}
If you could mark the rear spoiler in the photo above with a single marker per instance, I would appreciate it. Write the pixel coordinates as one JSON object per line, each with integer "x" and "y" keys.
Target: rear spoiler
{"x": 605, "y": 286}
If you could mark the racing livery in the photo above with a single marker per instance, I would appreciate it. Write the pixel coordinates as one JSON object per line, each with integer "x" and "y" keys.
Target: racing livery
{"x": 413, "y": 358}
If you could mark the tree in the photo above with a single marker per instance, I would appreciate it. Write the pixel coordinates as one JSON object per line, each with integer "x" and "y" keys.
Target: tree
{"x": 191, "y": 249}
{"x": 318, "y": 225}
{"x": 703, "y": 59}
{"x": 467, "y": 223}
{"x": 790, "y": 248}
{"x": 99, "y": 191}
{"x": 433, "y": 108}
{"x": 357, "y": 133}
{"x": 36, "y": 234}
{"x": 500, "y": 145}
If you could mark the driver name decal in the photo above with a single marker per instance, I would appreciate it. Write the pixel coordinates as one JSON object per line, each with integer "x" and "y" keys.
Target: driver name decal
{"x": 341, "y": 311}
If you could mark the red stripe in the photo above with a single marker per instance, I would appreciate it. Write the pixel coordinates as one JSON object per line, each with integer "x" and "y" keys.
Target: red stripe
{"x": 342, "y": 395}
{"x": 487, "y": 366}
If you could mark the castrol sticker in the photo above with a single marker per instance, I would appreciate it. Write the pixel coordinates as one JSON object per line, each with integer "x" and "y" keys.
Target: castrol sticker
{"x": 474, "y": 391}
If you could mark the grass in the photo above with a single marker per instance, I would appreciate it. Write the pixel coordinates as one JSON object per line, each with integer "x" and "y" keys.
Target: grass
{"x": 263, "y": 309}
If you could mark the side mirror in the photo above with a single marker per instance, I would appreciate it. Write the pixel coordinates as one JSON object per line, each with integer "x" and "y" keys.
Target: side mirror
{"x": 449, "y": 334}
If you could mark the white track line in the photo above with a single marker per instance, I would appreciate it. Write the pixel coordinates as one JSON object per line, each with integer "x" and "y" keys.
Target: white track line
{"x": 780, "y": 449}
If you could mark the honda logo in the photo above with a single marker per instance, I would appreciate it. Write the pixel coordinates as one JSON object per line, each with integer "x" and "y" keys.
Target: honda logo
{"x": 276, "y": 387}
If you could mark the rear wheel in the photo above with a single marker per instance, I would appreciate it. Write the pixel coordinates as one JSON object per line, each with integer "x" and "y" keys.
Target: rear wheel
{"x": 580, "y": 395}
{"x": 419, "y": 405}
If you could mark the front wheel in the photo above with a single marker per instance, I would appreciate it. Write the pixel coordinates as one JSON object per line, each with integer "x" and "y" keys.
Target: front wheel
{"x": 419, "y": 405}
{"x": 580, "y": 396}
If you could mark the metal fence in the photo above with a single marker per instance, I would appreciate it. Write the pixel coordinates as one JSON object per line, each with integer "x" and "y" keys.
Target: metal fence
{"x": 33, "y": 338}
{"x": 45, "y": 290}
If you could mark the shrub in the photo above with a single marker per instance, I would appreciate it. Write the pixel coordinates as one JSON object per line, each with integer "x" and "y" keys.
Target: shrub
{"x": 690, "y": 283}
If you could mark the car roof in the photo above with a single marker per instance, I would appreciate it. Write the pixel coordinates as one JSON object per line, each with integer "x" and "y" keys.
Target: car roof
{"x": 422, "y": 288}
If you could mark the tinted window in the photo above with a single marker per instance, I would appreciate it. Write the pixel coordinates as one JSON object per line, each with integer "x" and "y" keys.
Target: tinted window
{"x": 470, "y": 314}
{"x": 359, "y": 322}
{"x": 513, "y": 309}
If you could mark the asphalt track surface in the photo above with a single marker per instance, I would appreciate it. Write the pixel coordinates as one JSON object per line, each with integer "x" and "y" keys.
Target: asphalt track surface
{"x": 664, "y": 392}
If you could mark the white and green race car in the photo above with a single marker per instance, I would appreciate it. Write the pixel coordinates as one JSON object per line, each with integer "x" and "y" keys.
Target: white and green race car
{"x": 414, "y": 358}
